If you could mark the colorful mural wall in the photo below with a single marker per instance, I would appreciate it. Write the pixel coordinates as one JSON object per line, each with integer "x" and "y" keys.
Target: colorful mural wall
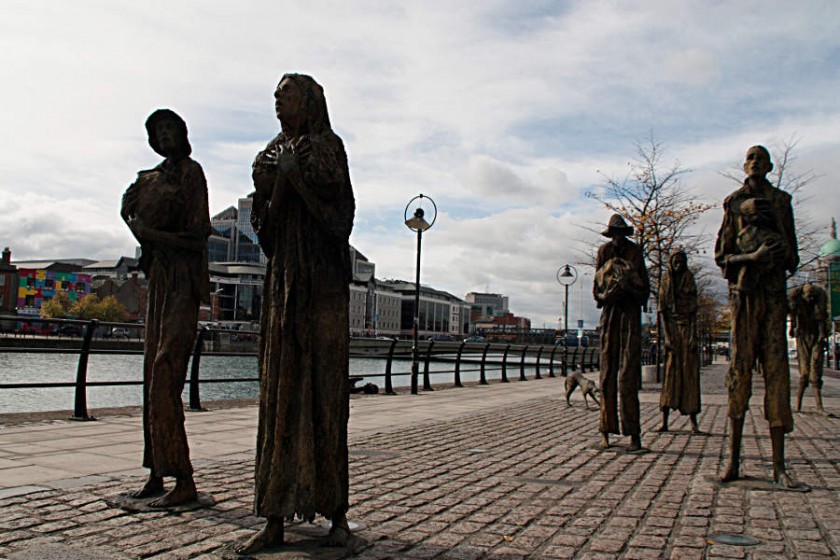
{"x": 38, "y": 285}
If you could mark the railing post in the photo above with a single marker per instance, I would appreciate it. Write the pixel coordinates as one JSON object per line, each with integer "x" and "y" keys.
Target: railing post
{"x": 389, "y": 387}
{"x": 458, "y": 365}
{"x": 504, "y": 365}
{"x": 80, "y": 409}
{"x": 522, "y": 365}
{"x": 195, "y": 398}
{"x": 483, "y": 378}
{"x": 575, "y": 358}
{"x": 551, "y": 362}
{"x": 427, "y": 383}
{"x": 537, "y": 369}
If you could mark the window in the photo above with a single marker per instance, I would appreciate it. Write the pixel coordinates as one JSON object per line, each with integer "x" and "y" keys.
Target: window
{"x": 2, "y": 279}
{"x": 49, "y": 284}
{"x": 30, "y": 301}
{"x": 30, "y": 281}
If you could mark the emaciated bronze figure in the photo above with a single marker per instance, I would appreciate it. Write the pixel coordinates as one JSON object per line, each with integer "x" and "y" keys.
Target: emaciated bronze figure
{"x": 758, "y": 303}
{"x": 678, "y": 308}
{"x": 166, "y": 209}
{"x": 621, "y": 288}
{"x": 808, "y": 317}
{"x": 303, "y": 214}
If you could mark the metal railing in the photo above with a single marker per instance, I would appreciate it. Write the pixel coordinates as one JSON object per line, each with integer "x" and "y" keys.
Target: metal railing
{"x": 457, "y": 358}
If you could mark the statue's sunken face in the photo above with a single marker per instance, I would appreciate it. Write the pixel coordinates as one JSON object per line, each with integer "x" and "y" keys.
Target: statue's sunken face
{"x": 288, "y": 99}
{"x": 757, "y": 163}
{"x": 680, "y": 262}
{"x": 168, "y": 135}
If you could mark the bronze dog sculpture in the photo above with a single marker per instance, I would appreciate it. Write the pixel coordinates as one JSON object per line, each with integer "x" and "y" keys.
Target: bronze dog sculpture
{"x": 587, "y": 387}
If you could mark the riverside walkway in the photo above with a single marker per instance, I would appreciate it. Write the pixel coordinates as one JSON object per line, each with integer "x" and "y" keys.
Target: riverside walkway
{"x": 502, "y": 472}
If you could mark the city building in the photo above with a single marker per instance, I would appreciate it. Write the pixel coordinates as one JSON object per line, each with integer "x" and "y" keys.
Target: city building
{"x": 8, "y": 284}
{"x": 236, "y": 291}
{"x": 439, "y": 313}
{"x": 40, "y": 281}
{"x": 129, "y": 292}
{"x": 486, "y": 305}
{"x": 119, "y": 269}
{"x": 232, "y": 237}
{"x": 828, "y": 272}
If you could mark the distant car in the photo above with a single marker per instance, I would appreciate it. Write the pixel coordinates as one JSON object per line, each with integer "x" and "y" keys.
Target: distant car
{"x": 385, "y": 338}
{"x": 70, "y": 330}
{"x": 442, "y": 338}
{"x": 119, "y": 332}
{"x": 475, "y": 338}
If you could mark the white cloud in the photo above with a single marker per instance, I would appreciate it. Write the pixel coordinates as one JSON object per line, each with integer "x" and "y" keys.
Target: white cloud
{"x": 503, "y": 112}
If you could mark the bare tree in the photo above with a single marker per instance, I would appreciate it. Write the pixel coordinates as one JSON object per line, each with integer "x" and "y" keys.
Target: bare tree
{"x": 655, "y": 202}
{"x": 787, "y": 177}
{"x": 661, "y": 210}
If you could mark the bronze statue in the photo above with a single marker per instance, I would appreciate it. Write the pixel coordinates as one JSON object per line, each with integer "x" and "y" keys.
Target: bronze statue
{"x": 621, "y": 288}
{"x": 678, "y": 309}
{"x": 166, "y": 210}
{"x": 755, "y": 269}
{"x": 303, "y": 214}
{"x": 808, "y": 317}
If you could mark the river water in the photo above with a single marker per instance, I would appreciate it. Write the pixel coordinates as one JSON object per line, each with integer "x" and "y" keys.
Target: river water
{"x": 61, "y": 368}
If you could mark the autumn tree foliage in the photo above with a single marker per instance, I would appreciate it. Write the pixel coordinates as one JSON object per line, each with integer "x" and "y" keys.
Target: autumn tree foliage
{"x": 89, "y": 307}
{"x": 56, "y": 307}
{"x": 656, "y": 203}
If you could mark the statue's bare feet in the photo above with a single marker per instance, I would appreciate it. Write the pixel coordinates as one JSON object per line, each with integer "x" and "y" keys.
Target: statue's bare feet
{"x": 635, "y": 444}
{"x": 270, "y": 535}
{"x": 605, "y": 441}
{"x": 183, "y": 492}
{"x": 731, "y": 473}
{"x": 663, "y": 428}
{"x": 340, "y": 534}
{"x": 695, "y": 429}
{"x": 153, "y": 487}
{"x": 784, "y": 480}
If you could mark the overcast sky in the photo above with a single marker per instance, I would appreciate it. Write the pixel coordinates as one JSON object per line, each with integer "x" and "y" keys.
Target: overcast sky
{"x": 505, "y": 113}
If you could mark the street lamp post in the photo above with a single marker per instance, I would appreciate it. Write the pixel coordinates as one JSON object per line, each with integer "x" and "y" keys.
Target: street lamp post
{"x": 566, "y": 275}
{"x": 417, "y": 223}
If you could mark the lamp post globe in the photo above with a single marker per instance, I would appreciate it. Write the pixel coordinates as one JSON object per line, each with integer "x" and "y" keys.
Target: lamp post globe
{"x": 415, "y": 219}
{"x": 566, "y": 276}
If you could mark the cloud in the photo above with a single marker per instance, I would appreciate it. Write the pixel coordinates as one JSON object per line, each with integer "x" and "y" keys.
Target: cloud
{"x": 503, "y": 112}
{"x": 694, "y": 67}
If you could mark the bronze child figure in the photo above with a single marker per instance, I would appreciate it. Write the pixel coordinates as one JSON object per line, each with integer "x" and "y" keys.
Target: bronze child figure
{"x": 303, "y": 214}
{"x": 166, "y": 210}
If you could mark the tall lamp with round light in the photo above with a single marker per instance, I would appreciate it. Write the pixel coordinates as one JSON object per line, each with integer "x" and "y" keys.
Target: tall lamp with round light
{"x": 416, "y": 221}
{"x": 566, "y": 275}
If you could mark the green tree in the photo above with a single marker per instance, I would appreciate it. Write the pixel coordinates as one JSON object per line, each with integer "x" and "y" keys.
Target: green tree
{"x": 86, "y": 307}
{"x": 112, "y": 311}
{"x": 57, "y": 307}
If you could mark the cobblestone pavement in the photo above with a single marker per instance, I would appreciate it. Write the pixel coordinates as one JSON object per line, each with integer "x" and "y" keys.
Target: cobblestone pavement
{"x": 524, "y": 480}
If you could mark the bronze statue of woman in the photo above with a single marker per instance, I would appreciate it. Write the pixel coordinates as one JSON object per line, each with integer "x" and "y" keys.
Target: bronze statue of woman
{"x": 166, "y": 209}
{"x": 303, "y": 214}
{"x": 678, "y": 306}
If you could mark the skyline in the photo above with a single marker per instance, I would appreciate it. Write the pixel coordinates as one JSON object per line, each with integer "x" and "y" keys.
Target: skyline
{"x": 504, "y": 114}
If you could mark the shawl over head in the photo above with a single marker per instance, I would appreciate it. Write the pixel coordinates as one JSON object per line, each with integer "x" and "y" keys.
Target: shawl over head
{"x": 316, "y": 118}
